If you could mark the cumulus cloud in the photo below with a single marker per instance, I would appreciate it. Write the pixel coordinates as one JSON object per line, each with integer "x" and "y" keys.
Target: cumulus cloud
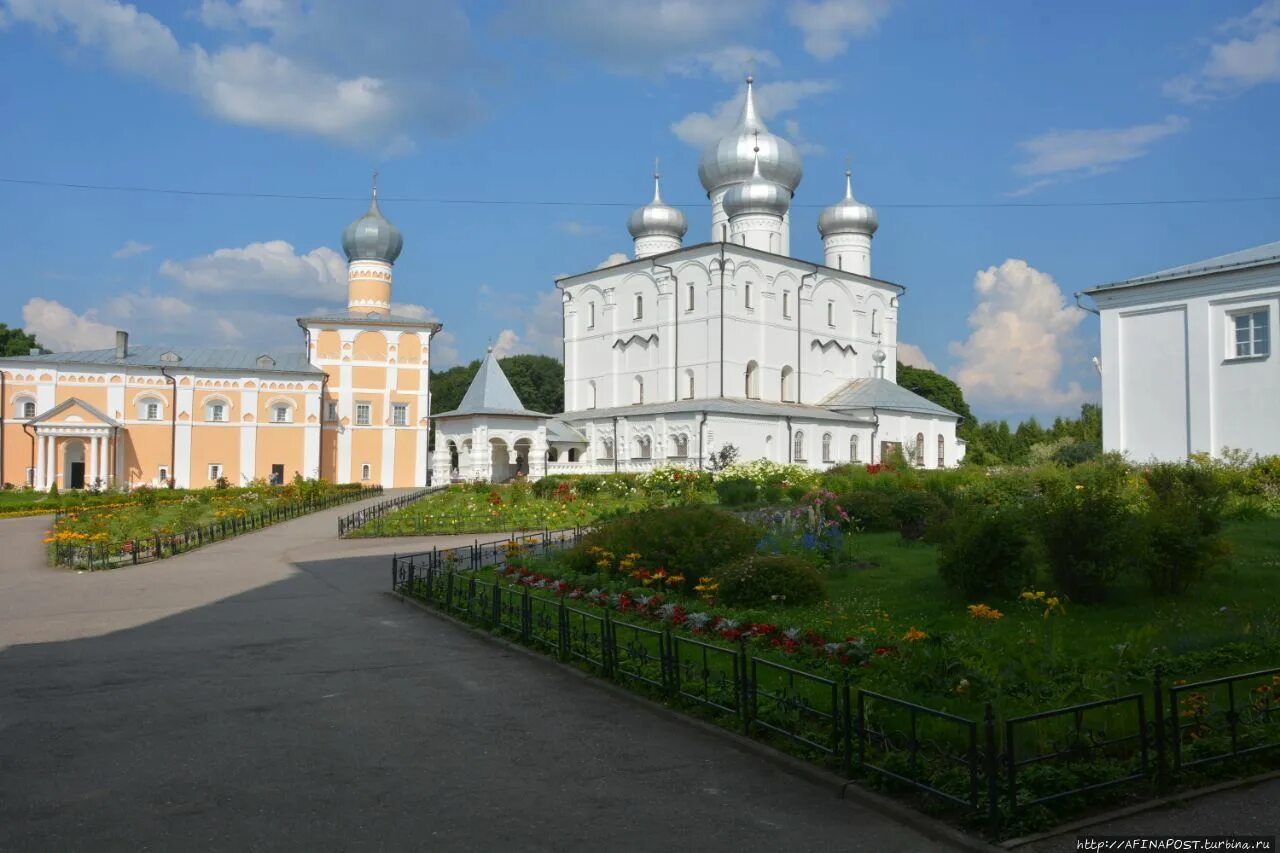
{"x": 444, "y": 344}
{"x": 541, "y": 323}
{"x": 147, "y": 307}
{"x": 613, "y": 260}
{"x": 828, "y": 25}
{"x": 313, "y": 73}
{"x": 700, "y": 129}
{"x": 1022, "y": 332}
{"x": 1247, "y": 54}
{"x": 131, "y": 248}
{"x": 60, "y": 329}
{"x": 912, "y": 356}
{"x": 1089, "y": 152}
{"x": 508, "y": 343}
{"x": 271, "y": 267}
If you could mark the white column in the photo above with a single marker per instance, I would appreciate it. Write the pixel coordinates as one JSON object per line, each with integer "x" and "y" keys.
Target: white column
{"x": 37, "y": 477}
{"x": 51, "y": 457}
{"x": 91, "y": 472}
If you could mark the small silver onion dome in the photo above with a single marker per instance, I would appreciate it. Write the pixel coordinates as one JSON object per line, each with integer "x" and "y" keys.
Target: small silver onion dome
{"x": 731, "y": 159}
{"x": 657, "y": 218}
{"x": 878, "y": 356}
{"x": 848, "y": 216}
{"x": 757, "y": 195}
{"x": 372, "y": 237}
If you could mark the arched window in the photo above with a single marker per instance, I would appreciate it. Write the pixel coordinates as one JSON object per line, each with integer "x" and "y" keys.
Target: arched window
{"x": 826, "y": 447}
{"x": 215, "y": 410}
{"x": 591, "y": 315}
{"x": 366, "y": 471}
{"x": 688, "y": 305}
{"x": 798, "y": 454}
{"x": 25, "y": 407}
{"x": 831, "y": 312}
{"x": 688, "y": 384}
{"x": 281, "y": 413}
{"x": 644, "y": 447}
{"x": 788, "y": 385}
{"x": 875, "y": 321}
{"x": 591, "y": 394}
{"x": 853, "y": 449}
{"x": 150, "y": 408}
{"x": 680, "y": 446}
{"x": 942, "y": 452}
{"x": 639, "y": 307}
{"x": 553, "y": 455}
{"x": 606, "y": 448}
{"x": 752, "y": 384}
{"x": 573, "y": 454}
{"x": 746, "y": 297}
{"x": 786, "y": 304}
{"x": 637, "y": 391}
{"x": 920, "y": 449}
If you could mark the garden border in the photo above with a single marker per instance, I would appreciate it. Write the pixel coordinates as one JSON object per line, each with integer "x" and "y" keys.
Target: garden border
{"x": 359, "y": 518}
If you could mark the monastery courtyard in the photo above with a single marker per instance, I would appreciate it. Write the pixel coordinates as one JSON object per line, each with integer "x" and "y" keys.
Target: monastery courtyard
{"x": 266, "y": 692}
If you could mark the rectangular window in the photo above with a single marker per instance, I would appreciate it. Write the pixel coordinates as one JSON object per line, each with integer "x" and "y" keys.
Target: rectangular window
{"x": 1251, "y": 334}
{"x": 786, "y": 304}
{"x": 331, "y": 412}
{"x": 591, "y": 315}
{"x": 399, "y": 414}
{"x": 746, "y": 297}
{"x": 364, "y": 413}
{"x": 217, "y": 413}
{"x": 215, "y": 472}
{"x": 280, "y": 414}
{"x": 831, "y": 313}
{"x": 639, "y": 307}
{"x": 163, "y": 476}
{"x": 153, "y": 411}
{"x": 689, "y": 300}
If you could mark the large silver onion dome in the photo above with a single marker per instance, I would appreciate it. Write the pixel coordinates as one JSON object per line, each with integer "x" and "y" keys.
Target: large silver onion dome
{"x": 730, "y": 160}
{"x": 757, "y": 195}
{"x": 848, "y": 216}
{"x": 657, "y": 218}
{"x": 372, "y": 237}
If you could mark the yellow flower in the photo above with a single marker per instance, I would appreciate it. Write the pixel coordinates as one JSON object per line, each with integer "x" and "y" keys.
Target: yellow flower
{"x": 982, "y": 611}
{"x": 914, "y": 635}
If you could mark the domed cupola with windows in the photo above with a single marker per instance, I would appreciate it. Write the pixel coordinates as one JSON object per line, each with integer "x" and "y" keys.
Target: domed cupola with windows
{"x": 371, "y": 244}
{"x": 657, "y": 227}
{"x": 847, "y": 228}
{"x": 756, "y": 210}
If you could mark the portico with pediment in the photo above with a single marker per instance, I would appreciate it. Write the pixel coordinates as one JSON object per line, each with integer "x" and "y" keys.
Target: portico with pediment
{"x": 75, "y": 444}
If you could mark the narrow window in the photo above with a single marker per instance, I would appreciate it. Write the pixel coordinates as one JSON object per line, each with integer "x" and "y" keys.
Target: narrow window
{"x": 280, "y": 414}
{"x": 786, "y": 304}
{"x": 831, "y": 313}
{"x": 788, "y": 385}
{"x": 920, "y": 449}
{"x": 826, "y": 447}
{"x": 363, "y": 414}
{"x": 573, "y": 454}
{"x": 216, "y": 414}
{"x": 853, "y": 449}
{"x": 164, "y": 474}
{"x": 591, "y": 315}
{"x": 1252, "y": 334}
{"x": 153, "y": 412}
{"x": 724, "y": 233}
{"x": 591, "y": 394}
{"x": 366, "y": 471}
{"x": 637, "y": 391}
{"x": 875, "y": 321}
{"x": 746, "y": 298}
{"x": 639, "y": 307}
{"x": 942, "y": 452}
{"x": 31, "y": 476}
{"x": 215, "y": 472}
{"x": 689, "y": 298}
{"x": 688, "y": 384}
{"x": 399, "y": 414}
{"x": 798, "y": 455}
{"x": 331, "y": 412}
{"x": 28, "y": 409}
{"x": 752, "y": 381}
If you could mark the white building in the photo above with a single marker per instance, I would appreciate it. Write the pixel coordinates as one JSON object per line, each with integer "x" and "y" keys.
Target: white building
{"x": 1187, "y": 362}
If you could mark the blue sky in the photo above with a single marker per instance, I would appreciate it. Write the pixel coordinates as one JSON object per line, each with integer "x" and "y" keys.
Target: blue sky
{"x": 937, "y": 104}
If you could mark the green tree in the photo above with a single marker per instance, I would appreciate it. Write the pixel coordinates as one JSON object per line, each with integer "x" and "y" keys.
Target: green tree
{"x": 538, "y": 381}
{"x": 936, "y": 388}
{"x": 17, "y": 342}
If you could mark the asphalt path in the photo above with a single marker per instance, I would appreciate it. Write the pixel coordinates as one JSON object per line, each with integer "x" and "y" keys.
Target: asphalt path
{"x": 265, "y": 693}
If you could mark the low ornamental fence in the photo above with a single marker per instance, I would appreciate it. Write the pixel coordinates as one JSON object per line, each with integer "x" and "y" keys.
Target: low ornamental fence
{"x": 438, "y": 525}
{"x": 110, "y": 555}
{"x": 990, "y": 769}
{"x": 360, "y": 518}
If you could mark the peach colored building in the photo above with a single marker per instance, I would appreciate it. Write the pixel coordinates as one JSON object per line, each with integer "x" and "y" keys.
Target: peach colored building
{"x": 352, "y": 407}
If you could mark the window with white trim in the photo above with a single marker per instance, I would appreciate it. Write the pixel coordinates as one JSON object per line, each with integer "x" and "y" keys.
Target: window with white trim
{"x": 798, "y": 454}
{"x": 680, "y": 446}
{"x": 151, "y": 410}
{"x": 826, "y": 447}
{"x": 31, "y": 476}
{"x": 942, "y": 452}
{"x": 606, "y": 448}
{"x": 163, "y": 474}
{"x": 364, "y": 414}
{"x": 281, "y": 413}
{"x": 919, "y": 449}
{"x": 215, "y": 471}
{"x": 688, "y": 306}
{"x": 366, "y": 471}
{"x": 639, "y": 307}
{"x": 688, "y": 384}
{"x": 26, "y": 407}
{"x": 1250, "y": 334}
{"x": 216, "y": 412}
{"x": 853, "y": 449}
{"x": 399, "y": 414}
{"x": 786, "y": 304}
{"x": 591, "y": 394}
{"x": 831, "y": 312}
{"x": 637, "y": 391}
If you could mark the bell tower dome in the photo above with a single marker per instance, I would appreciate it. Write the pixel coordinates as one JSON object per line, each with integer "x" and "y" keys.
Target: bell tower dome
{"x": 371, "y": 244}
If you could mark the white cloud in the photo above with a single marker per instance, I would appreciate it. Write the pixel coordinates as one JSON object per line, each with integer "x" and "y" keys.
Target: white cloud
{"x": 1023, "y": 330}
{"x": 1249, "y": 57}
{"x": 314, "y": 74}
{"x": 60, "y": 329}
{"x": 131, "y": 248}
{"x": 613, "y": 260}
{"x": 728, "y": 63}
{"x": 829, "y": 24}
{"x": 147, "y": 307}
{"x": 444, "y": 344}
{"x": 270, "y": 268}
{"x": 912, "y": 356}
{"x": 700, "y": 129}
{"x": 581, "y": 229}
{"x": 1089, "y": 152}
{"x": 541, "y": 323}
{"x": 508, "y": 343}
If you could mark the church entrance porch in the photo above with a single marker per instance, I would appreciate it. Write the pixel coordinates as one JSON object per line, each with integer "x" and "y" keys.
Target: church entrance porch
{"x": 73, "y": 456}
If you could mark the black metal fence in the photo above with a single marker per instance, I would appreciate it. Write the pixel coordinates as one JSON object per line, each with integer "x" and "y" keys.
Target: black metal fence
{"x": 158, "y": 546}
{"x": 362, "y": 517}
{"x": 991, "y": 770}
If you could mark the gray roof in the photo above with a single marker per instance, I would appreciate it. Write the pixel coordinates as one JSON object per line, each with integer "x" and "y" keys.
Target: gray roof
{"x": 370, "y": 318}
{"x": 725, "y": 406}
{"x": 558, "y": 430}
{"x": 75, "y": 401}
{"x": 1267, "y": 253}
{"x": 882, "y": 394}
{"x": 188, "y": 358}
{"x": 491, "y": 394}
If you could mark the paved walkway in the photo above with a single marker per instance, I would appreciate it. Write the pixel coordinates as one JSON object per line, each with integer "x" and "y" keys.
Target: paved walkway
{"x": 264, "y": 693}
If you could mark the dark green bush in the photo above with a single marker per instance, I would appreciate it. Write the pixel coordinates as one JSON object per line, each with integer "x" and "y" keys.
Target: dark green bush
{"x": 686, "y": 540}
{"x": 1089, "y": 531}
{"x": 871, "y": 509}
{"x": 985, "y": 550}
{"x": 588, "y": 484}
{"x": 1183, "y": 525}
{"x": 761, "y": 581}
{"x": 546, "y": 487}
{"x": 916, "y": 511}
{"x": 736, "y": 491}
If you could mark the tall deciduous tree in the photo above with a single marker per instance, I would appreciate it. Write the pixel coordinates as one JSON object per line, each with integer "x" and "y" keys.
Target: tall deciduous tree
{"x": 936, "y": 388}
{"x": 17, "y": 342}
{"x": 538, "y": 381}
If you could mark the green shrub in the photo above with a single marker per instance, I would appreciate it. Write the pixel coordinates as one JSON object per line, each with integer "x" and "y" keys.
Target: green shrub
{"x": 685, "y": 540}
{"x": 588, "y": 484}
{"x": 871, "y": 509}
{"x": 761, "y": 581}
{"x": 546, "y": 487}
{"x": 1089, "y": 531}
{"x": 737, "y": 491}
{"x": 1183, "y": 525}
{"x": 916, "y": 511}
{"x": 985, "y": 550}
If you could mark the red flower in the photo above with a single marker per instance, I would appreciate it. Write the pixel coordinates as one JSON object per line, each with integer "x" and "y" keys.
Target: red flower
{"x": 883, "y": 650}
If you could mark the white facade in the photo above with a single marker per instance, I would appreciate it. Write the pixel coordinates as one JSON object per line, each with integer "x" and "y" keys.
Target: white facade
{"x": 1188, "y": 361}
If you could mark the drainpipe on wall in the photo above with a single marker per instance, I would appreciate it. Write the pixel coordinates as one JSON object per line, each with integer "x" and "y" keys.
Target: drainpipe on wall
{"x": 27, "y": 429}
{"x": 722, "y": 319}
{"x": 800, "y": 334}
{"x": 616, "y": 448}
{"x": 173, "y": 430}
{"x": 875, "y": 430}
{"x": 1083, "y": 307}
{"x": 702, "y": 431}
{"x": 790, "y": 445}
{"x": 675, "y": 311}
{"x": 324, "y": 383}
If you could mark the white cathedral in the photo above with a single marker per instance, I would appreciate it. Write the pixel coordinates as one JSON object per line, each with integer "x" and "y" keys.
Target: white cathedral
{"x": 675, "y": 354}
